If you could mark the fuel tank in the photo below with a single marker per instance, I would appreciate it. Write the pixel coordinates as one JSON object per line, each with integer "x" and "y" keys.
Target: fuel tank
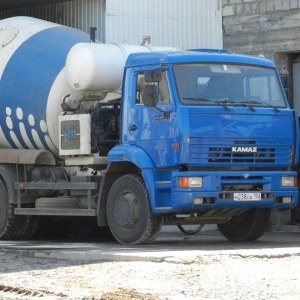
{"x": 42, "y": 62}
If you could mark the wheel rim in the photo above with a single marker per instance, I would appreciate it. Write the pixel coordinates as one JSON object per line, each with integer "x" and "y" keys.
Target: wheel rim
{"x": 126, "y": 210}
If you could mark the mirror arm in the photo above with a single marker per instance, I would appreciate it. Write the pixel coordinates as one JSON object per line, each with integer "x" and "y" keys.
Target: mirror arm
{"x": 165, "y": 113}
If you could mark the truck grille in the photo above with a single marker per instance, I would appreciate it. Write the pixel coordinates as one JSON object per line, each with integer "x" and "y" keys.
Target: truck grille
{"x": 217, "y": 152}
{"x": 225, "y": 155}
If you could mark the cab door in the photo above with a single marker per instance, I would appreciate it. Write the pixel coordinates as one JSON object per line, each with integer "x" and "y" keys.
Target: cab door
{"x": 149, "y": 127}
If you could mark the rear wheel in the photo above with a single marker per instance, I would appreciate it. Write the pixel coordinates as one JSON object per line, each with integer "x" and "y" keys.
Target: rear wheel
{"x": 28, "y": 227}
{"x": 12, "y": 226}
{"x": 7, "y": 218}
{"x": 129, "y": 215}
{"x": 248, "y": 226}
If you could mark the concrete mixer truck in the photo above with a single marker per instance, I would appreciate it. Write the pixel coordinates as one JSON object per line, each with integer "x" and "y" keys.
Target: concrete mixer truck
{"x": 139, "y": 137}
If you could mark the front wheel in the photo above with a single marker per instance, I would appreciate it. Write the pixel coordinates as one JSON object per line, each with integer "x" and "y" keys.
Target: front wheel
{"x": 129, "y": 215}
{"x": 248, "y": 226}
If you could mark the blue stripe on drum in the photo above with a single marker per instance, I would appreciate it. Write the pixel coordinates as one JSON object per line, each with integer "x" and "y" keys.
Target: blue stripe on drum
{"x": 28, "y": 78}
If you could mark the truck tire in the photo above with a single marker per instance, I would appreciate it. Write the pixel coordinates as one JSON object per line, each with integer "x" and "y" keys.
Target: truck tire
{"x": 29, "y": 225}
{"x": 248, "y": 226}
{"x": 8, "y": 221}
{"x": 14, "y": 227}
{"x": 129, "y": 215}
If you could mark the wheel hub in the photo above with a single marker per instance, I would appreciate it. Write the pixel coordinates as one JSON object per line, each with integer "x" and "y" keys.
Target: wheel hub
{"x": 126, "y": 210}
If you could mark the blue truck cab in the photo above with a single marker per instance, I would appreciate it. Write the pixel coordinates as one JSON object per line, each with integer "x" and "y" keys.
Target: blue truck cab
{"x": 207, "y": 137}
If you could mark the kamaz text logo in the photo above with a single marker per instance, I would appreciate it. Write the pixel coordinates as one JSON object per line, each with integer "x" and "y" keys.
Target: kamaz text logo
{"x": 244, "y": 149}
{"x": 70, "y": 134}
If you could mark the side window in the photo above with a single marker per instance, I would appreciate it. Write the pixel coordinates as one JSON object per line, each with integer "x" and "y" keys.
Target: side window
{"x": 140, "y": 84}
{"x": 164, "y": 95}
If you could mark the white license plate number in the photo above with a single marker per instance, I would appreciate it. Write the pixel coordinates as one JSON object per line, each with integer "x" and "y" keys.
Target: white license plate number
{"x": 247, "y": 196}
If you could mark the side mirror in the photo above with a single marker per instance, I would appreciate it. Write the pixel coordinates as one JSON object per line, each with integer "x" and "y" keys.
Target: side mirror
{"x": 153, "y": 75}
{"x": 150, "y": 95}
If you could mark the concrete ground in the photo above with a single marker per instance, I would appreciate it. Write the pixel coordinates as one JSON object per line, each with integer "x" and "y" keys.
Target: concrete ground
{"x": 174, "y": 267}
{"x": 279, "y": 241}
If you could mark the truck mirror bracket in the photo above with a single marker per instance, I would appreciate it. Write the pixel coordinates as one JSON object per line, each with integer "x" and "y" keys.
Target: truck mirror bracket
{"x": 153, "y": 75}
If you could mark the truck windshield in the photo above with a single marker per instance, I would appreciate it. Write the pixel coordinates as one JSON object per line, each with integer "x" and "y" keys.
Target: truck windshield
{"x": 228, "y": 84}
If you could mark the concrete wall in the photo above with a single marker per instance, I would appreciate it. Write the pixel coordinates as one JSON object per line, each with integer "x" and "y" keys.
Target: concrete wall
{"x": 256, "y": 26}
{"x": 268, "y": 27}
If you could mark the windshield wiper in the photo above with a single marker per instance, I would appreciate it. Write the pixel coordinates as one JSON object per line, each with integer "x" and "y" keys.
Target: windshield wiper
{"x": 222, "y": 103}
{"x": 246, "y": 104}
{"x": 261, "y": 102}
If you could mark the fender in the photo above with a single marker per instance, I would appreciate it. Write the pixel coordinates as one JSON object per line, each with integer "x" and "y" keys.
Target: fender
{"x": 130, "y": 153}
{"x": 138, "y": 157}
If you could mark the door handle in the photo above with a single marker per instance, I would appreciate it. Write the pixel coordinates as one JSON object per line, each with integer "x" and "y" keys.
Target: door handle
{"x": 132, "y": 128}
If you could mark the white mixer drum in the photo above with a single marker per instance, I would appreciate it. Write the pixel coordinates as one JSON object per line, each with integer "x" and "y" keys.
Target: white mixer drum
{"x": 33, "y": 55}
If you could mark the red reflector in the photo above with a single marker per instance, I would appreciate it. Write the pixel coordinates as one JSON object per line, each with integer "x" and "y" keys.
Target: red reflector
{"x": 176, "y": 146}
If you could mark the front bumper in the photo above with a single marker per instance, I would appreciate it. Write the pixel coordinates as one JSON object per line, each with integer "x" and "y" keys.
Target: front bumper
{"x": 219, "y": 188}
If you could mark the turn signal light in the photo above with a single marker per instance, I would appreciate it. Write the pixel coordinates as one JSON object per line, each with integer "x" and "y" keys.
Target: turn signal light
{"x": 190, "y": 182}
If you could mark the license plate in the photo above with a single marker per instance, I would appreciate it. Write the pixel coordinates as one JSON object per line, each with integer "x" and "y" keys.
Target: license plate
{"x": 247, "y": 196}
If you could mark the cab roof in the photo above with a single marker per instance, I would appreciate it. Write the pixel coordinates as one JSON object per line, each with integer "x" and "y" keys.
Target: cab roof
{"x": 194, "y": 56}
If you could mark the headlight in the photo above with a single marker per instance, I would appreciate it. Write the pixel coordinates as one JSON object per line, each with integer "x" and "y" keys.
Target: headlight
{"x": 190, "y": 182}
{"x": 287, "y": 181}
